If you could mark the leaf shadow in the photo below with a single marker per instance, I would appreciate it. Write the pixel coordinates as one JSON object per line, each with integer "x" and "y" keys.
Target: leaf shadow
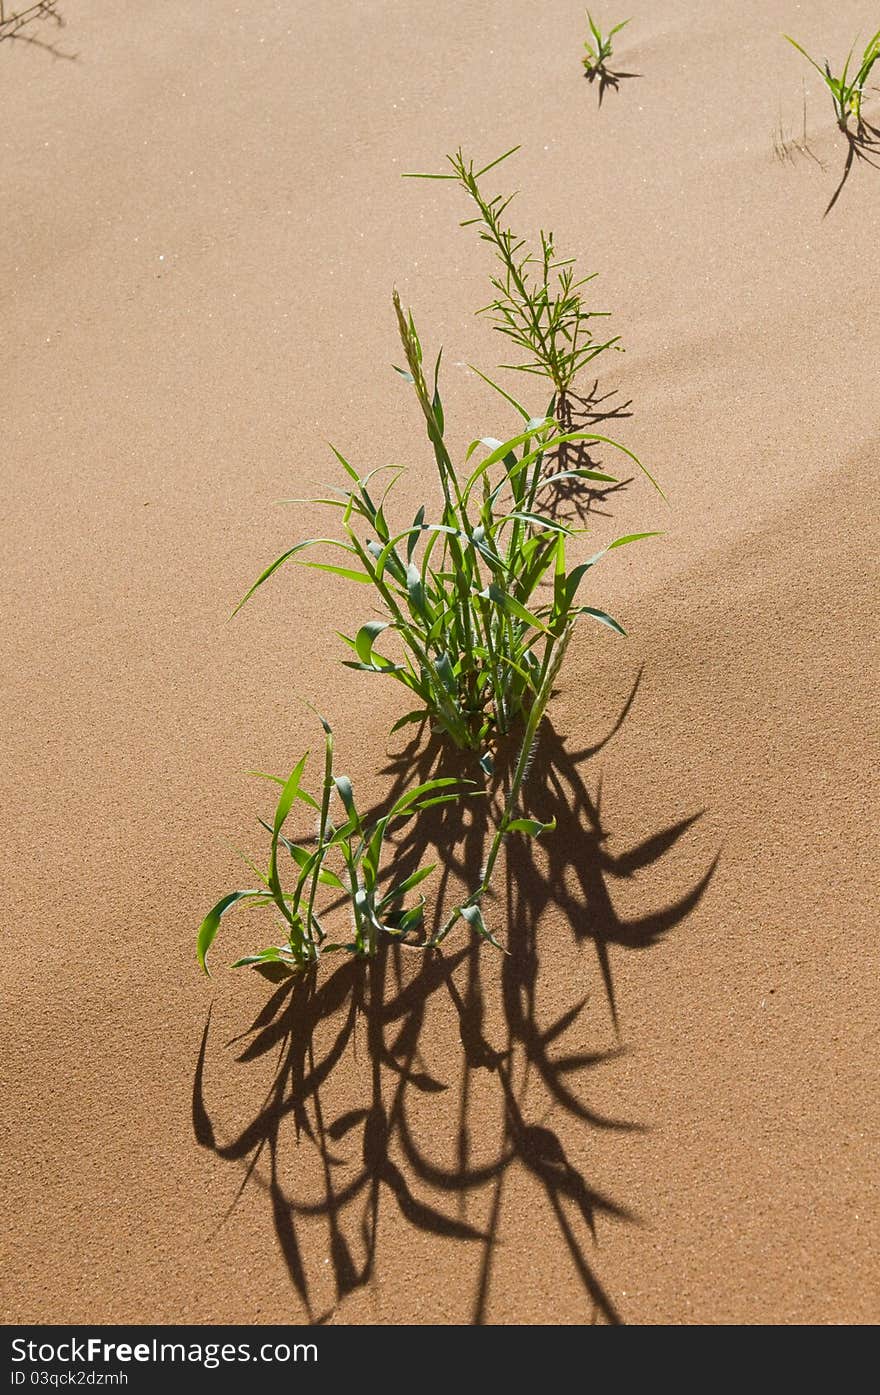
{"x": 22, "y": 26}
{"x": 607, "y": 78}
{"x": 371, "y": 1149}
{"x": 573, "y": 501}
{"x": 863, "y": 147}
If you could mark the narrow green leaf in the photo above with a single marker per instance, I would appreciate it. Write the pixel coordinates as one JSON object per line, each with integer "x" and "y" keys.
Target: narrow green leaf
{"x": 288, "y": 794}
{"x": 349, "y": 469}
{"x": 498, "y": 449}
{"x": 346, "y": 794}
{"x": 210, "y": 925}
{"x": 526, "y": 415}
{"x": 631, "y": 537}
{"x": 427, "y": 787}
{"x": 292, "y": 552}
{"x": 416, "y": 591}
{"x": 420, "y": 715}
{"x": 410, "y": 919}
{"x": 531, "y": 827}
{"x": 347, "y": 572}
{"x": 560, "y": 475}
{"x": 271, "y": 955}
{"x": 301, "y": 795}
{"x": 486, "y": 168}
{"x": 796, "y": 45}
{"x": 602, "y": 617}
{"x": 397, "y": 893}
{"x": 542, "y": 521}
{"x": 436, "y": 403}
{"x": 447, "y": 674}
{"x": 513, "y": 607}
{"x": 366, "y": 638}
{"x": 474, "y": 917}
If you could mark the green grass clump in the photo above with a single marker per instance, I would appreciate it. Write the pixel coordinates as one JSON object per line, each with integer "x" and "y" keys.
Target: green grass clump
{"x": 510, "y": 821}
{"x": 538, "y": 303}
{"x": 474, "y": 633}
{"x": 599, "y": 46}
{"x": 847, "y": 91}
{"x": 347, "y": 859}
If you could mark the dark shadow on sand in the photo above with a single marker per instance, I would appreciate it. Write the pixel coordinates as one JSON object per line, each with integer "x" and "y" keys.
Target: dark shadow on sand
{"x": 607, "y": 78}
{"x": 370, "y": 1153}
{"x": 863, "y": 147}
{"x": 573, "y": 501}
{"x": 27, "y": 24}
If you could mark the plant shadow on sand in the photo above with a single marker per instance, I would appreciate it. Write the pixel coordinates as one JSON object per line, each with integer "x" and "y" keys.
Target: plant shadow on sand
{"x": 607, "y": 77}
{"x": 570, "y": 501}
{"x": 22, "y": 24}
{"x": 863, "y": 147}
{"x": 370, "y": 1155}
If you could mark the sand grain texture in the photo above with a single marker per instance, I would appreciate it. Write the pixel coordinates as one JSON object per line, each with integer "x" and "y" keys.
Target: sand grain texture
{"x": 203, "y": 219}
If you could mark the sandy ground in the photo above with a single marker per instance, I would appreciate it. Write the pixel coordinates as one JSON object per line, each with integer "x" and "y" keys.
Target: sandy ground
{"x": 202, "y": 222}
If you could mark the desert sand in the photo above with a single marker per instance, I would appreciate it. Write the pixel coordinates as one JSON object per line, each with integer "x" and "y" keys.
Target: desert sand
{"x": 203, "y": 221}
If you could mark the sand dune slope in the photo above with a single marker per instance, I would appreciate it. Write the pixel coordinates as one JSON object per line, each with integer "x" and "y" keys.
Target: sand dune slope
{"x": 658, "y": 1106}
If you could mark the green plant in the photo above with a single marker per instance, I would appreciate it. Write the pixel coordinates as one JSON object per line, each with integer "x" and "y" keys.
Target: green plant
{"x": 538, "y": 303}
{"x": 510, "y": 822}
{"x": 476, "y": 636}
{"x": 600, "y": 48}
{"x": 847, "y": 91}
{"x": 347, "y": 858}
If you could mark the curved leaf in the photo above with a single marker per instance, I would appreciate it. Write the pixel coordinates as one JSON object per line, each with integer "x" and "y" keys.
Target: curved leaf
{"x": 366, "y": 638}
{"x": 286, "y": 556}
{"x": 602, "y": 617}
{"x": 531, "y": 827}
{"x": 210, "y": 925}
{"x": 474, "y": 917}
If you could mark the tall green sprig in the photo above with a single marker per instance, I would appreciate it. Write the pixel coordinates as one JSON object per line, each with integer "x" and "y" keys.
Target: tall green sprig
{"x": 538, "y": 303}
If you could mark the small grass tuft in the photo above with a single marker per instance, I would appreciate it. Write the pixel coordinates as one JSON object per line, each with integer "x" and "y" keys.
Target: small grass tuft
{"x": 345, "y": 862}
{"x": 847, "y": 90}
{"x": 599, "y": 47}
